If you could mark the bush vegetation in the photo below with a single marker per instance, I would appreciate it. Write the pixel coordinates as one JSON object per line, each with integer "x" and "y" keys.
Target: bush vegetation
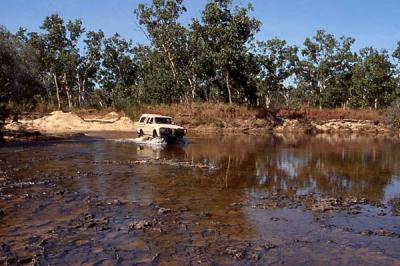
{"x": 393, "y": 115}
{"x": 208, "y": 114}
{"x": 213, "y": 61}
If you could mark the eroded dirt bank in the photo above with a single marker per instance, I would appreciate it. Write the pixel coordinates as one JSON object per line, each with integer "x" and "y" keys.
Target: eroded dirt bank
{"x": 59, "y": 122}
{"x": 235, "y": 200}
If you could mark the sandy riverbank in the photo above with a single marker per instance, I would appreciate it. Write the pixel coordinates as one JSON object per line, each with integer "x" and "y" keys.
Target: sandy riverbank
{"x": 59, "y": 122}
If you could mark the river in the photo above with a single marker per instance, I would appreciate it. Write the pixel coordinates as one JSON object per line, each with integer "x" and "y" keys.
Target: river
{"x": 236, "y": 199}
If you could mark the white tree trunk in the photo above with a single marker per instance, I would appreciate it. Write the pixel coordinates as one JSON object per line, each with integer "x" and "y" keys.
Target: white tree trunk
{"x": 83, "y": 90}
{"x": 67, "y": 92}
{"x": 79, "y": 89}
{"x": 228, "y": 86}
{"x": 192, "y": 88}
{"x": 267, "y": 100}
{"x": 57, "y": 91}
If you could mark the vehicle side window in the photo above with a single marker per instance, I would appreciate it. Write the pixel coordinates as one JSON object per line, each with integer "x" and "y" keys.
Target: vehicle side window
{"x": 150, "y": 121}
{"x": 142, "y": 119}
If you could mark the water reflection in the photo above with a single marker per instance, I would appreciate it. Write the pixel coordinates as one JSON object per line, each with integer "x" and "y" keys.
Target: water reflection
{"x": 362, "y": 166}
{"x": 333, "y": 165}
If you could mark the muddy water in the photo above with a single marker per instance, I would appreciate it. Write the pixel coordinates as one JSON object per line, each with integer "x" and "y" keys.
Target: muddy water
{"x": 242, "y": 199}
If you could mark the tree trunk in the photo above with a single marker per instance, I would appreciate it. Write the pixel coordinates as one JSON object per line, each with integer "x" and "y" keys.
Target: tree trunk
{"x": 171, "y": 63}
{"x": 192, "y": 88}
{"x": 68, "y": 97}
{"x": 170, "y": 60}
{"x": 83, "y": 91}
{"x": 79, "y": 89}
{"x": 228, "y": 86}
{"x": 67, "y": 91}
{"x": 345, "y": 104}
{"x": 267, "y": 101}
{"x": 286, "y": 96}
{"x": 57, "y": 91}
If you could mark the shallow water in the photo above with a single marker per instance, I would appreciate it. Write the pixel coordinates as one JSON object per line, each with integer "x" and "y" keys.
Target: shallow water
{"x": 229, "y": 199}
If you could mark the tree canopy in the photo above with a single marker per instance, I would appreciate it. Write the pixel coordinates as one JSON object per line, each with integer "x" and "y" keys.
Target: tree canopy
{"x": 214, "y": 58}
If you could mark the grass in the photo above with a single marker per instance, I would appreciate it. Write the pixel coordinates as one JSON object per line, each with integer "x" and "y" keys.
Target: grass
{"x": 206, "y": 113}
{"x": 319, "y": 115}
{"x": 221, "y": 114}
{"x": 202, "y": 113}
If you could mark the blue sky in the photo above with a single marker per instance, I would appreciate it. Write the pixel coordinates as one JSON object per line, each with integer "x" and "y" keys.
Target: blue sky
{"x": 371, "y": 22}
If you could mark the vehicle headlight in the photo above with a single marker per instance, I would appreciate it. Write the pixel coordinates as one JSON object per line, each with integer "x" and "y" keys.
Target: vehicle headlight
{"x": 180, "y": 131}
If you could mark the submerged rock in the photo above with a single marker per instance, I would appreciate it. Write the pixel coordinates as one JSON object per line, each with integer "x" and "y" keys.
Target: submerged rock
{"x": 237, "y": 254}
{"x": 325, "y": 204}
{"x": 269, "y": 246}
{"x": 140, "y": 225}
{"x": 164, "y": 210}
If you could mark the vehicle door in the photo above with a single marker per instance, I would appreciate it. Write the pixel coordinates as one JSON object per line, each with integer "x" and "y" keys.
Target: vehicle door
{"x": 142, "y": 123}
{"x": 149, "y": 126}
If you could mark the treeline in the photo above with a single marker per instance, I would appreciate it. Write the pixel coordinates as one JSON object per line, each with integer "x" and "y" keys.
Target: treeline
{"x": 215, "y": 58}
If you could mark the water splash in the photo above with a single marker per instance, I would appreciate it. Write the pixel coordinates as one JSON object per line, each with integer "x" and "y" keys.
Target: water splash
{"x": 143, "y": 140}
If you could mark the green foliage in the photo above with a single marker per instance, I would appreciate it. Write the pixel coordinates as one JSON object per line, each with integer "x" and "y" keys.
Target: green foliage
{"x": 393, "y": 114}
{"x": 325, "y": 69}
{"x": 373, "y": 84}
{"x": 118, "y": 72}
{"x": 18, "y": 82}
{"x": 213, "y": 59}
{"x": 169, "y": 39}
{"x": 278, "y": 63}
{"x": 226, "y": 34}
{"x": 129, "y": 107}
{"x": 61, "y": 55}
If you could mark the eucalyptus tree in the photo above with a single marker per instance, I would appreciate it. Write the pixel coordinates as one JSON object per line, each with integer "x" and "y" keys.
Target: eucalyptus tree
{"x": 87, "y": 74}
{"x": 118, "y": 68}
{"x": 326, "y": 64}
{"x": 18, "y": 81}
{"x": 277, "y": 62}
{"x": 19, "y": 84}
{"x": 169, "y": 38}
{"x": 153, "y": 79}
{"x": 61, "y": 54}
{"x": 338, "y": 94}
{"x": 396, "y": 53}
{"x": 202, "y": 65}
{"x": 373, "y": 83}
{"x": 227, "y": 32}
{"x": 396, "y": 56}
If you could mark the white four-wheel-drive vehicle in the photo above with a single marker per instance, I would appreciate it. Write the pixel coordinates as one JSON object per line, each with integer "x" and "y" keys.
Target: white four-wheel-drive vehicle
{"x": 159, "y": 126}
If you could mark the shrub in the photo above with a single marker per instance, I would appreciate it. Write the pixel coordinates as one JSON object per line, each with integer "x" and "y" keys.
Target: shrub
{"x": 129, "y": 107}
{"x": 393, "y": 114}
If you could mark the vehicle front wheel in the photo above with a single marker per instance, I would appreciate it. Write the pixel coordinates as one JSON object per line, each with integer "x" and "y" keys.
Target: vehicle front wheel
{"x": 140, "y": 134}
{"x": 155, "y": 134}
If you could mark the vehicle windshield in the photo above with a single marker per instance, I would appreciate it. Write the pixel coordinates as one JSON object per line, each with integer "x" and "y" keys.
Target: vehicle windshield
{"x": 163, "y": 120}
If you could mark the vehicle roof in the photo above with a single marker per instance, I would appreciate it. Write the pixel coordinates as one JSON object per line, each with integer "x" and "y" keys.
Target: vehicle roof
{"x": 155, "y": 115}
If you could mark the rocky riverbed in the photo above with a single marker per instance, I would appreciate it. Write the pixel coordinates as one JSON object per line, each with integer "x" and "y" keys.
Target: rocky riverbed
{"x": 236, "y": 200}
